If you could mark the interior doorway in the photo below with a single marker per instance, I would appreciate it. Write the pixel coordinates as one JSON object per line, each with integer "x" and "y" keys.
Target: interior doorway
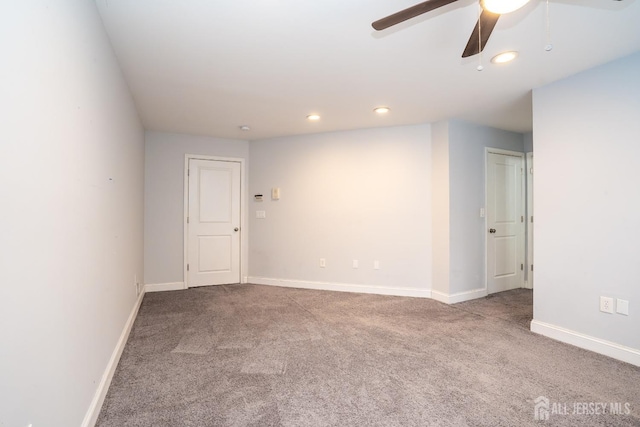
{"x": 505, "y": 220}
{"x": 213, "y": 222}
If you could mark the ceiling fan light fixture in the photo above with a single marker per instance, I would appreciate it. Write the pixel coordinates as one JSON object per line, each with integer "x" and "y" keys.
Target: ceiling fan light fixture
{"x": 504, "y": 57}
{"x": 382, "y": 110}
{"x": 502, "y": 6}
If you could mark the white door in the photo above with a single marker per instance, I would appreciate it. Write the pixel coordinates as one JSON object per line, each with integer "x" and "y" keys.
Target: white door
{"x": 505, "y": 222}
{"x": 213, "y": 223}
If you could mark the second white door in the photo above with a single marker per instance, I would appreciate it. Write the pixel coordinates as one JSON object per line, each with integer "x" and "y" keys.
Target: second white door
{"x": 505, "y": 222}
{"x": 213, "y": 223}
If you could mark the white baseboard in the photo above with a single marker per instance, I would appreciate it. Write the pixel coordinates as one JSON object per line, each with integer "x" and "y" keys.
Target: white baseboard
{"x": 161, "y": 287}
{"x": 608, "y": 348}
{"x": 91, "y": 416}
{"x": 459, "y": 296}
{"x": 342, "y": 287}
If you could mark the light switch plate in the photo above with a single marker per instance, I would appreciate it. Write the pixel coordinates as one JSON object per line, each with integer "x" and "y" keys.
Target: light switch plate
{"x": 261, "y": 214}
{"x": 622, "y": 307}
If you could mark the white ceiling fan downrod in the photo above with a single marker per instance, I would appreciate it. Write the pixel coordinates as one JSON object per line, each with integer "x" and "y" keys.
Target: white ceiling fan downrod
{"x": 549, "y": 46}
{"x": 480, "y": 67}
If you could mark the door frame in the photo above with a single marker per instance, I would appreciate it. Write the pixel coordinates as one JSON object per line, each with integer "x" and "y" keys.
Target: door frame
{"x": 487, "y": 151}
{"x": 244, "y": 235}
{"x": 530, "y": 207}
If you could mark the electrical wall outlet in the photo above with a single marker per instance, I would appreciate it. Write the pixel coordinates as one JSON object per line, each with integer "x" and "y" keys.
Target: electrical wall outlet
{"x": 376, "y": 265}
{"x": 606, "y": 305}
{"x": 622, "y": 306}
{"x": 355, "y": 263}
{"x": 323, "y": 263}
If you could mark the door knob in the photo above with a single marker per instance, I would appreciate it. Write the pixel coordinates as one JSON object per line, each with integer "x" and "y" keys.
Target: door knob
{"x": 492, "y": 230}
{"x": 236, "y": 229}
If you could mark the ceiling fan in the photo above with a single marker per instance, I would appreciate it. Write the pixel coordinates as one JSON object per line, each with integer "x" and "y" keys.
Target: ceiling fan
{"x": 491, "y": 11}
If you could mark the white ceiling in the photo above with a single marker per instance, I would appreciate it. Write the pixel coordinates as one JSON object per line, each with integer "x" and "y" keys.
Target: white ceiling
{"x": 208, "y": 66}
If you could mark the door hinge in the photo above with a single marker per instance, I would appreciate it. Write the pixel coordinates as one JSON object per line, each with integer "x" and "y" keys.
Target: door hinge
{"x": 531, "y": 267}
{"x": 187, "y": 267}
{"x": 187, "y": 220}
{"x": 532, "y": 219}
{"x": 188, "y": 172}
{"x": 521, "y": 267}
{"x": 521, "y": 218}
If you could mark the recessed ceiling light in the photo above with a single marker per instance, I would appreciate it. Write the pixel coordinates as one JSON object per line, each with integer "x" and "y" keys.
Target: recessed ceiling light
{"x": 382, "y": 110}
{"x": 313, "y": 117}
{"x": 502, "y": 6}
{"x": 504, "y": 57}
{"x": 245, "y": 128}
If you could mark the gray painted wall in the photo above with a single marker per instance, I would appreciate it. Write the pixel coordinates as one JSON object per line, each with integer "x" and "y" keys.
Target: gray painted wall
{"x": 362, "y": 195}
{"x": 164, "y": 197}
{"x": 528, "y": 142}
{"x": 440, "y": 206}
{"x": 587, "y": 201}
{"x": 71, "y": 184}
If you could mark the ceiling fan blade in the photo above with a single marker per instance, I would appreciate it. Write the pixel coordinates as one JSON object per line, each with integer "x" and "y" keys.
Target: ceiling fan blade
{"x": 409, "y": 13}
{"x": 485, "y": 25}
